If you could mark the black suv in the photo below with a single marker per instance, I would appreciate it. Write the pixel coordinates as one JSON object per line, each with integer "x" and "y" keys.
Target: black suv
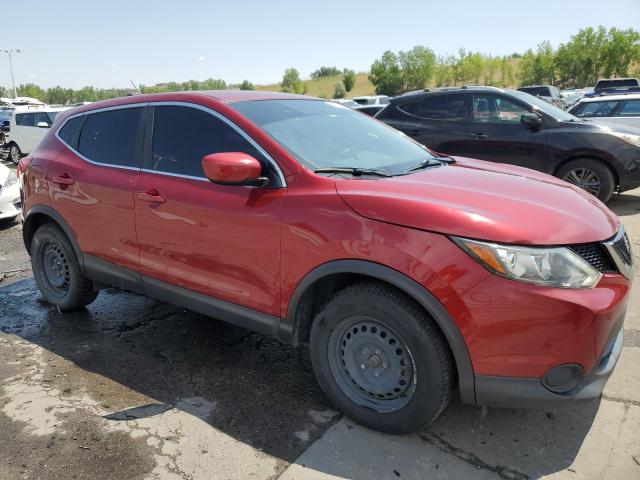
{"x": 509, "y": 126}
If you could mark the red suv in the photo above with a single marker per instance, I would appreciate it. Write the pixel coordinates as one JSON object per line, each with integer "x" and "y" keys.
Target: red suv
{"x": 411, "y": 275}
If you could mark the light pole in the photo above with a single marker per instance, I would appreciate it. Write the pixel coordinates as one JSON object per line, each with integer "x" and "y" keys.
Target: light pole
{"x": 13, "y": 80}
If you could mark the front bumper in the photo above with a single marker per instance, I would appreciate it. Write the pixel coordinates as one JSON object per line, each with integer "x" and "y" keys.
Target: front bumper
{"x": 515, "y": 392}
{"x": 10, "y": 206}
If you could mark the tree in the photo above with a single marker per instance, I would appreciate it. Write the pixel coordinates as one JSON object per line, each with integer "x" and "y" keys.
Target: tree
{"x": 246, "y": 85}
{"x": 580, "y": 61}
{"x": 385, "y": 74}
{"x": 417, "y": 65}
{"x": 325, "y": 72}
{"x": 339, "y": 91}
{"x": 539, "y": 67}
{"x": 348, "y": 79}
{"x": 212, "y": 84}
{"x": 31, "y": 90}
{"x": 59, "y": 95}
{"x": 291, "y": 82}
{"x": 86, "y": 94}
{"x": 620, "y": 51}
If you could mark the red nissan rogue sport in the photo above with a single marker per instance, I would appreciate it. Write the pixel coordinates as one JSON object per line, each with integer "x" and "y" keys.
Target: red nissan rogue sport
{"x": 411, "y": 275}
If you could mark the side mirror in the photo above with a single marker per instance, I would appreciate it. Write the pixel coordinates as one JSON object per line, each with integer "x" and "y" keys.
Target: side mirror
{"x": 43, "y": 125}
{"x": 531, "y": 121}
{"x": 233, "y": 168}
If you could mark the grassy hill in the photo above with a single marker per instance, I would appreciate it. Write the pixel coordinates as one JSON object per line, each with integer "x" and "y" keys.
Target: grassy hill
{"x": 323, "y": 87}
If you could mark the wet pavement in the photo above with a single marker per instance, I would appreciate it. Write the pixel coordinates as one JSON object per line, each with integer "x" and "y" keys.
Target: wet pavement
{"x": 134, "y": 388}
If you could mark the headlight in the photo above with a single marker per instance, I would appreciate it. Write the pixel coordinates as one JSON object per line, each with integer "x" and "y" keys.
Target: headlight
{"x": 11, "y": 179}
{"x": 628, "y": 137}
{"x": 551, "y": 267}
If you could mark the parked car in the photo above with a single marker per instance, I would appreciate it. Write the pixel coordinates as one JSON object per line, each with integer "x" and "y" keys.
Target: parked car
{"x": 371, "y": 100}
{"x": 347, "y": 102}
{"x": 609, "y": 83}
{"x": 509, "y": 126}
{"x": 10, "y": 204}
{"x": 409, "y": 274}
{"x": 28, "y": 126}
{"x": 572, "y": 96}
{"x": 371, "y": 110}
{"x": 546, "y": 92}
{"x": 606, "y": 109}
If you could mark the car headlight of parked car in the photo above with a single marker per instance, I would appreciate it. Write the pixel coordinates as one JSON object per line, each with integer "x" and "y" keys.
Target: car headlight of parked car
{"x": 551, "y": 267}
{"x": 629, "y": 138}
{"x": 12, "y": 179}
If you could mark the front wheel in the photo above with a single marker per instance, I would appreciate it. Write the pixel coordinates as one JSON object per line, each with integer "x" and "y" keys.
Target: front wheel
{"x": 380, "y": 359}
{"x": 56, "y": 270}
{"x": 15, "y": 154}
{"x": 590, "y": 175}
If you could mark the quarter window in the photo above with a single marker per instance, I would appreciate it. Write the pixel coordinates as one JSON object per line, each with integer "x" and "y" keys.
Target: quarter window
{"x": 110, "y": 137}
{"x": 69, "y": 132}
{"x": 26, "y": 119}
{"x": 182, "y": 136}
{"x": 493, "y": 109}
{"x": 442, "y": 107}
{"x": 631, "y": 108}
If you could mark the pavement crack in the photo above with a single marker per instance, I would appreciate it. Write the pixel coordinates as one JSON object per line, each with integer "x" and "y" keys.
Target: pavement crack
{"x": 470, "y": 458}
{"x": 626, "y": 401}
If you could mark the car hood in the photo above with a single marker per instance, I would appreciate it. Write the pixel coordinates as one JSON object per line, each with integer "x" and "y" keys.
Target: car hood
{"x": 484, "y": 200}
{"x": 601, "y": 125}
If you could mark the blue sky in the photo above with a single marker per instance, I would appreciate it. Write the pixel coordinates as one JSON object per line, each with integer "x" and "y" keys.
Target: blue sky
{"x": 106, "y": 43}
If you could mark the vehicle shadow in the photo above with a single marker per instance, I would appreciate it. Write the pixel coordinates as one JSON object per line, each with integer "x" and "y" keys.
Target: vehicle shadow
{"x": 264, "y": 391}
{"x": 625, "y": 204}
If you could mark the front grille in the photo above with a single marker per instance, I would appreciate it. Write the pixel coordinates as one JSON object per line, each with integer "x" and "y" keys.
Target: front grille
{"x": 595, "y": 255}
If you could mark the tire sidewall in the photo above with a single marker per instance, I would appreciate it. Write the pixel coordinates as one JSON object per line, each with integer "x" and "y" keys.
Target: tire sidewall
{"x": 43, "y": 236}
{"x": 607, "y": 180}
{"x": 426, "y": 403}
{"x": 14, "y": 148}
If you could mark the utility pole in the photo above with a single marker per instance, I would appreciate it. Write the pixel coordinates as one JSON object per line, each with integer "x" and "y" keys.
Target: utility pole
{"x": 13, "y": 80}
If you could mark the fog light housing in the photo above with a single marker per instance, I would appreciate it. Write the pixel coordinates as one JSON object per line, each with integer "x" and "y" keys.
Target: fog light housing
{"x": 563, "y": 378}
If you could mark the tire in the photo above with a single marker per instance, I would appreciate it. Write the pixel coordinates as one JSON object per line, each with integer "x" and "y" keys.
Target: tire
{"x": 56, "y": 270}
{"x": 369, "y": 327}
{"x": 15, "y": 154}
{"x": 591, "y": 175}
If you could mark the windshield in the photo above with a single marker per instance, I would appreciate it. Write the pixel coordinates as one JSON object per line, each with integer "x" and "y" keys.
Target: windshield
{"x": 325, "y": 134}
{"x": 545, "y": 107}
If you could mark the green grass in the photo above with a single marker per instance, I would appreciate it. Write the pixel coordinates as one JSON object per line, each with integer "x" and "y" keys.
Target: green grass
{"x": 324, "y": 87}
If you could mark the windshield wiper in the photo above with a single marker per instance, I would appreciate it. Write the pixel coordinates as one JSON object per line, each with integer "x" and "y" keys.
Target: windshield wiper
{"x": 356, "y": 172}
{"x": 430, "y": 162}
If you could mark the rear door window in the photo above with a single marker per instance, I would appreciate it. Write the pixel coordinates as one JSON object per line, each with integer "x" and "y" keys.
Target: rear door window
{"x": 182, "y": 136}
{"x": 439, "y": 107}
{"x": 111, "y": 137}
{"x": 631, "y": 108}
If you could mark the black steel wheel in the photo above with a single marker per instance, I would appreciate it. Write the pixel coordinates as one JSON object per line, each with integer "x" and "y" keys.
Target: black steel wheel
{"x": 380, "y": 359}
{"x": 56, "y": 270}
{"x": 372, "y": 364}
{"x": 590, "y": 175}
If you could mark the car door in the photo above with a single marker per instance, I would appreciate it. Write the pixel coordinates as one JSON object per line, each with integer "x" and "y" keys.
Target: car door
{"x": 497, "y": 134}
{"x": 37, "y": 133}
{"x": 22, "y": 133}
{"x": 91, "y": 182}
{"x": 218, "y": 240}
{"x": 438, "y": 121}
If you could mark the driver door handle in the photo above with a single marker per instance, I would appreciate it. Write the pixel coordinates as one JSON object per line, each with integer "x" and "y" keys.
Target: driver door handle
{"x": 479, "y": 136}
{"x": 63, "y": 180}
{"x": 152, "y": 196}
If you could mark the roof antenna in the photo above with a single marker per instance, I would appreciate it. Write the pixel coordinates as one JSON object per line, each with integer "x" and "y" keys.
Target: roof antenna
{"x": 134, "y": 86}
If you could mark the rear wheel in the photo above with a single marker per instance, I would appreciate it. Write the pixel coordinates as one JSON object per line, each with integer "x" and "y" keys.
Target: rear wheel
{"x": 590, "y": 175}
{"x": 14, "y": 153}
{"x": 56, "y": 270}
{"x": 380, "y": 359}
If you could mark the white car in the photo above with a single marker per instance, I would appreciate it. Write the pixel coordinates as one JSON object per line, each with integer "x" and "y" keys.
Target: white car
{"x": 623, "y": 109}
{"x": 10, "y": 205}
{"x": 371, "y": 100}
{"x": 28, "y": 126}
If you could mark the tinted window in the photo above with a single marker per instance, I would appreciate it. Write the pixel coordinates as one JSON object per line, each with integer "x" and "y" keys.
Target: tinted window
{"x": 26, "y": 119}
{"x": 493, "y": 109}
{"x": 624, "y": 82}
{"x": 595, "y": 109}
{"x": 631, "y": 108}
{"x": 69, "y": 132}
{"x": 441, "y": 107}
{"x": 110, "y": 137}
{"x": 183, "y": 135}
{"x": 537, "y": 91}
{"x": 43, "y": 117}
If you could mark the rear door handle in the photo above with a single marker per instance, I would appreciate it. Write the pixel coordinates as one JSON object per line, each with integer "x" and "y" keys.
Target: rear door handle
{"x": 479, "y": 136}
{"x": 63, "y": 180}
{"x": 152, "y": 196}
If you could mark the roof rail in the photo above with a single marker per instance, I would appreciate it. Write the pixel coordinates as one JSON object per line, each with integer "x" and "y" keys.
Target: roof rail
{"x": 491, "y": 87}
